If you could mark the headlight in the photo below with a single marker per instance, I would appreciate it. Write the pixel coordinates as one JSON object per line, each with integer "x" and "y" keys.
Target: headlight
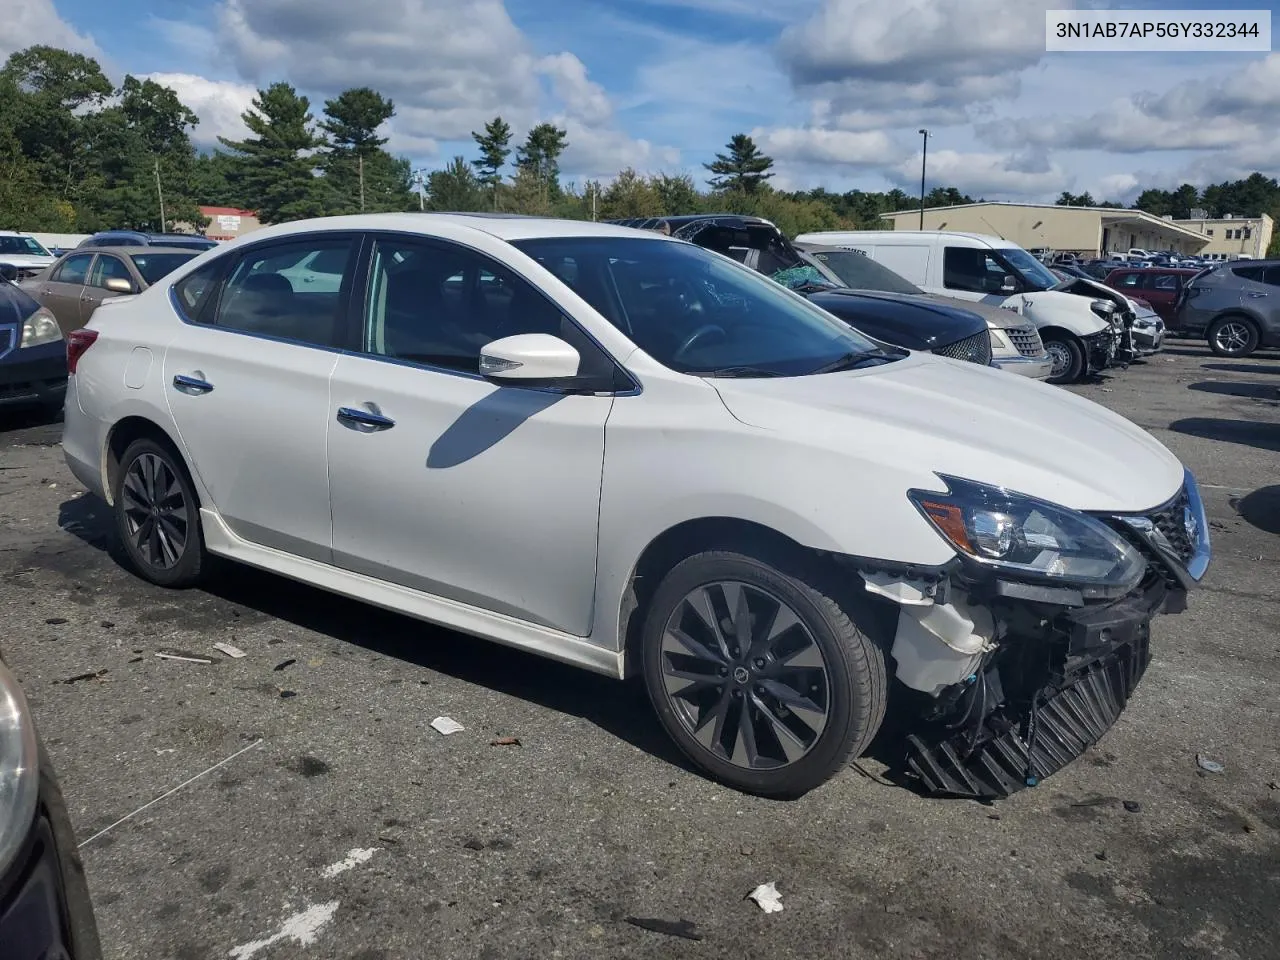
{"x": 1103, "y": 308}
{"x": 40, "y": 327}
{"x": 19, "y": 776}
{"x": 1032, "y": 538}
{"x": 1000, "y": 342}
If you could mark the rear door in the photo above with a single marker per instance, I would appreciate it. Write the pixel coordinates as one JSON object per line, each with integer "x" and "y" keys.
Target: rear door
{"x": 107, "y": 267}
{"x": 1162, "y": 292}
{"x": 62, "y": 291}
{"x": 247, "y": 377}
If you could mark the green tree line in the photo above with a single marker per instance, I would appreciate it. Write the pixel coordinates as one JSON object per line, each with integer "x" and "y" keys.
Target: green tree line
{"x": 80, "y": 154}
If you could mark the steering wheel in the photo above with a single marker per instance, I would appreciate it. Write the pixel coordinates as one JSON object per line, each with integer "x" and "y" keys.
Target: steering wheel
{"x": 704, "y": 331}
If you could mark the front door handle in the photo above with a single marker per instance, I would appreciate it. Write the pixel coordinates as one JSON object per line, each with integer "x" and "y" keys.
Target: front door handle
{"x": 1255, "y": 295}
{"x": 183, "y": 382}
{"x": 363, "y": 418}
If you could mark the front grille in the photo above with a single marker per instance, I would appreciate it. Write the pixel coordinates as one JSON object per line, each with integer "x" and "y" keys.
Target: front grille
{"x": 1170, "y": 521}
{"x": 975, "y": 349}
{"x": 1027, "y": 340}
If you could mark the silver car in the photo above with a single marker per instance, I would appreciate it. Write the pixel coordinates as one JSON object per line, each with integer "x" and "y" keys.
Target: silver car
{"x": 1235, "y": 306}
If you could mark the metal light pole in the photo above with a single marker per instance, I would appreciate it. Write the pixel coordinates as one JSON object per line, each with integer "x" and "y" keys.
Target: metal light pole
{"x": 160, "y": 194}
{"x": 924, "y": 161}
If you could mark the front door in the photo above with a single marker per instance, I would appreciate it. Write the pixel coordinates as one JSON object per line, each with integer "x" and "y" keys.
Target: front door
{"x": 443, "y": 481}
{"x": 247, "y": 379}
{"x": 62, "y": 291}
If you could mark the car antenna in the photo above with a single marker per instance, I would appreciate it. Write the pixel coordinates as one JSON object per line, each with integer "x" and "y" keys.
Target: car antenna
{"x": 993, "y": 229}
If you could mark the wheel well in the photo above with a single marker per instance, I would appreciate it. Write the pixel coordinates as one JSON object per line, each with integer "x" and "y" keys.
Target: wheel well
{"x": 696, "y": 536}
{"x": 126, "y": 432}
{"x": 1236, "y": 315}
{"x": 1058, "y": 333}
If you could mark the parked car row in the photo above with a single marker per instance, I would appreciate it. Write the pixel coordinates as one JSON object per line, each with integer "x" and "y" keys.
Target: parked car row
{"x": 636, "y": 455}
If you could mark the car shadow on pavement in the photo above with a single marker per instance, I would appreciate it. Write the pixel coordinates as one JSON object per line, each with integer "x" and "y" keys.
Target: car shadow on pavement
{"x": 1249, "y": 391}
{"x": 621, "y": 709}
{"x": 1250, "y": 433}
{"x": 1261, "y": 508}
{"x": 1242, "y": 368}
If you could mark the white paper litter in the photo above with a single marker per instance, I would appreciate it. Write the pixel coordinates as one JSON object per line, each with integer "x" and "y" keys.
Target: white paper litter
{"x": 174, "y": 656}
{"x": 447, "y": 725}
{"x": 234, "y": 653}
{"x": 767, "y": 897}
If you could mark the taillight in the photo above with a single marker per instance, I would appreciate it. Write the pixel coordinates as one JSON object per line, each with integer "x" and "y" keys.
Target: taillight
{"x": 78, "y": 341}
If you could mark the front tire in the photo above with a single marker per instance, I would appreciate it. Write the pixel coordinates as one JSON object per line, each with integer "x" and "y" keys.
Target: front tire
{"x": 1233, "y": 336}
{"x": 759, "y": 676}
{"x": 1067, "y": 356}
{"x": 158, "y": 516}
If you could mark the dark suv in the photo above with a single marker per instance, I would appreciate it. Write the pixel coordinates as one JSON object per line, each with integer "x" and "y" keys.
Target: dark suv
{"x": 1236, "y": 306}
{"x": 133, "y": 238}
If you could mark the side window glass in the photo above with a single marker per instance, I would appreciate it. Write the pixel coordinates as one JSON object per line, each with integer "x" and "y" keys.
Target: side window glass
{"x": 74, "y": 269}
{"x": 1167, "y": 281}
{"x": 108, "y": 268}
{"x": 1272, "y": 277}
{"x": 196, "y": 287}
{"x": 439, "y": 305}
{"x": 291, "y": 291}
{"x": 1131, "y": 280}
{"x": 965, "y": 268}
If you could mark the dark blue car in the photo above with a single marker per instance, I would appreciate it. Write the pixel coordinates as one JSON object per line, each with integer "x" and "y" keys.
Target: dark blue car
{"x": 33, "y": 356}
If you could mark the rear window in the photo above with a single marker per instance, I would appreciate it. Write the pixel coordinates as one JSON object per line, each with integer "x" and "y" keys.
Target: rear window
{"x": 1250, "y": 273}
{"x": 154, "y": 266}
{"x": 859, "y": 271}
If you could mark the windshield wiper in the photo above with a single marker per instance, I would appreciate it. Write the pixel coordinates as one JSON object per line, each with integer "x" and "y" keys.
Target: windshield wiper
{"x": 739, "y": 371}
{"x": 851, "y": 360}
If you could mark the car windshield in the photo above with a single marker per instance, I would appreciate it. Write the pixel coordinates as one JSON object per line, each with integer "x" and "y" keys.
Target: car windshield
{"x": 153, "y": 266}
{"x": 859, "y": 271}
{"x": 23, "y": 246}
{"x": 698, "y": 312}
{"x": 1034, "y": 274}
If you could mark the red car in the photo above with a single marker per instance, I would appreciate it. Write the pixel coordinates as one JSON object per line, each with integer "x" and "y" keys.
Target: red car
{"x": 1159, "y": 286}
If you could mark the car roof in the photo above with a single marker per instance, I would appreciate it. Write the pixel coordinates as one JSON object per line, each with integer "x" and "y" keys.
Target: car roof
{"x": 136, "y": 250}
{"x": 1155, "y": 270}
{"x": 503, "y": 226}
{"x": 14, "y": 233}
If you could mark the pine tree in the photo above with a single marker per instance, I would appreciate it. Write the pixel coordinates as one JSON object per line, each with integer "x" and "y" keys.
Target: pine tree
{"x": 539, "y": 158}
{"x": 495, "y": 147}
{"x": 274, "y": 170}
{"x": 359, "y": 175}
{"x": 743, "y": 169}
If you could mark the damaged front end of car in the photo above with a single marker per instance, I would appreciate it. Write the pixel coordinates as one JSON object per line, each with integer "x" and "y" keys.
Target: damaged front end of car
{"x": 1024, "y": 651}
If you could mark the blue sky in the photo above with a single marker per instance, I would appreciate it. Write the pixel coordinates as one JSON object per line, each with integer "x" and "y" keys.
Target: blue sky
{"x": 835, "y": 90}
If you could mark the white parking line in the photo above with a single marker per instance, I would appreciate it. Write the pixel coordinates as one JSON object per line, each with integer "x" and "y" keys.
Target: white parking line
{"x": 169, "y": 793}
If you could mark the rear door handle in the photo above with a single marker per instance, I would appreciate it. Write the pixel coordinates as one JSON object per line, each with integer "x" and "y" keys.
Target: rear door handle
{"x": 183, "y": 382}
{"x": 363, "y": 418}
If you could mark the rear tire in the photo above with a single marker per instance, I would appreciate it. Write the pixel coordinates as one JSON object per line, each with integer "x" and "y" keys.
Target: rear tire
{"x": 158, "y": 516}
{"x": 1233, "y": 336}
{"x": 775, "y": 716}
{"x": 1067, "y": 355}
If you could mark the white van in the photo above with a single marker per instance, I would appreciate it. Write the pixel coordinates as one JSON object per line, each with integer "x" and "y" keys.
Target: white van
{"x": 1080, "y": 334}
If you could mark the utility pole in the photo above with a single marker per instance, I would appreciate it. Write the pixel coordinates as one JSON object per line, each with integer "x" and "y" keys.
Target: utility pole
{"x": 360, "y": 163}
{"x": 924, "y": 162}
{"x": 594, "y": 193}
{"x": 160, "y": 194}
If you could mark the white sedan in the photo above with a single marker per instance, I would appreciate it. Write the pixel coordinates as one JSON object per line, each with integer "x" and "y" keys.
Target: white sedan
{"x": 634, "y": 455}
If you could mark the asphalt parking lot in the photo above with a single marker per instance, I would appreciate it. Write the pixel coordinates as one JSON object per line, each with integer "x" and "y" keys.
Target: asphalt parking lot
{"x": 341, "y": 825}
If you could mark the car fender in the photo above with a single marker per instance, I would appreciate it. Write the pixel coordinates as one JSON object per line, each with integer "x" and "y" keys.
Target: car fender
{"x": 800, "y": 489}
{"x": 1048, "y": 308}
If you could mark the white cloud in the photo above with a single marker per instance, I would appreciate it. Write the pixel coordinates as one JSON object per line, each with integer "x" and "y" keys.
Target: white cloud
{"x": 449, "y": 66}
{"x": 24, "y": 23}
{"x": 915, "y": 54}
{"x": 815, "y": 145}
{"x": 990, "y": 175}
{"x": 218, "y": 104}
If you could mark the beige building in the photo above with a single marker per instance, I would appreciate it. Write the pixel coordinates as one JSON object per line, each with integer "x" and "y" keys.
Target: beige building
{"x": 227, "y": 223}
{"x": 1231, "y": 238}
{"x": 1084, "y": 231}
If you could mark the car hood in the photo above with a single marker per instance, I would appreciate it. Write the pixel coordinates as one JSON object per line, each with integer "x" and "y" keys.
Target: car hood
{"x": 994, "y": 316}
{"x": 906, "y": 320}
{"x": 26, "y": 259}
{"x": 925, "y": 415}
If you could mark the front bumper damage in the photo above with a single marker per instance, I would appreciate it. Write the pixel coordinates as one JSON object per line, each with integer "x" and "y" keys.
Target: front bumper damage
{"x": 1006, "y": 682}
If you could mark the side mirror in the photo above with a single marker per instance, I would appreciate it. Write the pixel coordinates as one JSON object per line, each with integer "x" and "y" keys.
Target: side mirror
{"x": 118, "y": 285}
{"x": 8, "y": 273}
{"x": 1008, "y": 284}
{"x": 529, "y": 357}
